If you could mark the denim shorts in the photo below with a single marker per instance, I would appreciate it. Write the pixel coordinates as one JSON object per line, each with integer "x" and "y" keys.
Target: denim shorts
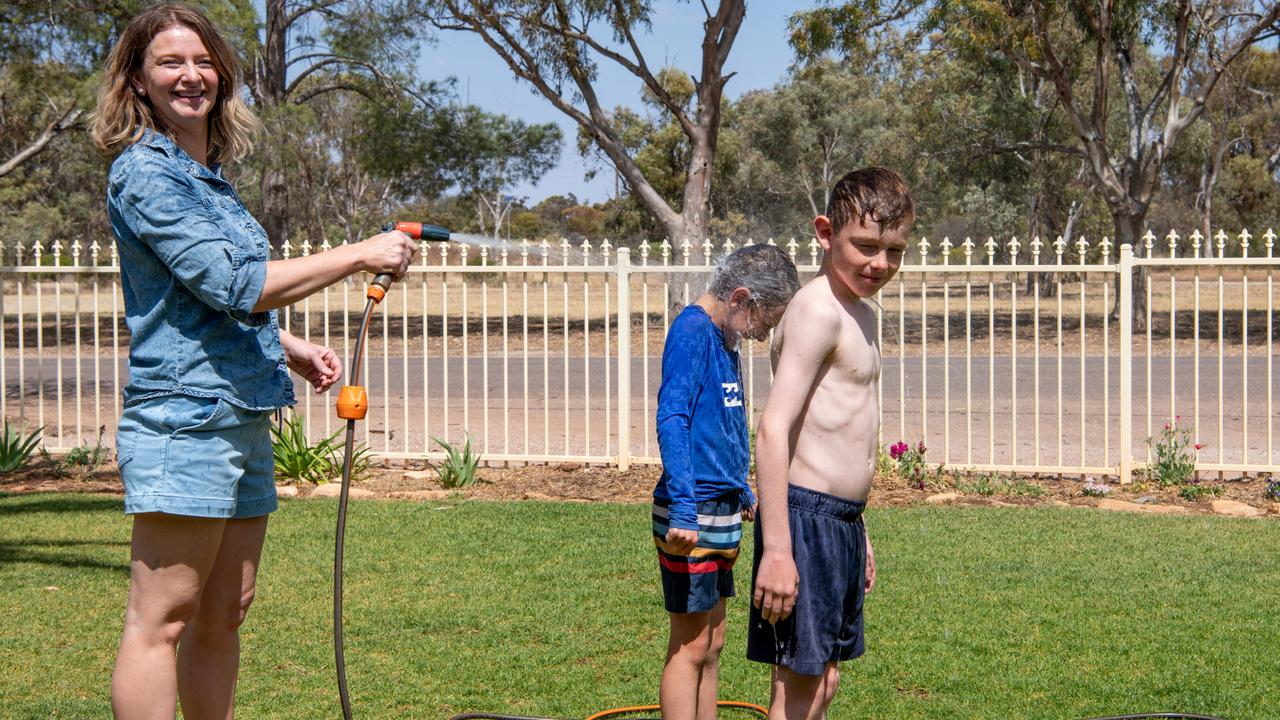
{"x": 196, "y": 456}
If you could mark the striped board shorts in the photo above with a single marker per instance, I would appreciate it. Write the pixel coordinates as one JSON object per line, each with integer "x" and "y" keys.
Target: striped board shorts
{"x": 696, "y": 582}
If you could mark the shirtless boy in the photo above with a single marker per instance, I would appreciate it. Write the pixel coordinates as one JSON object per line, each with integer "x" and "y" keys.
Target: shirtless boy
{"x": 816, "y": 450}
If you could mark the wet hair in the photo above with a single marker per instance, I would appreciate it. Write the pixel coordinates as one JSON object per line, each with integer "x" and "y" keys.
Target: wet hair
{"x": 122, "y": 116}
{"x": 765, "y": 270}
{"x": 875, "y": 192}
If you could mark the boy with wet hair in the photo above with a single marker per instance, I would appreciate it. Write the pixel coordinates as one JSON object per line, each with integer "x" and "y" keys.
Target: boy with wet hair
{"x": 816, "y": 450}
{"x": 703, "y": 496}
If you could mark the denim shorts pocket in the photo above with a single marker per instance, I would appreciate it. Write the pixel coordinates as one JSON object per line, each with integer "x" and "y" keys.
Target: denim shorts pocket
{"x": 186, "y": 413}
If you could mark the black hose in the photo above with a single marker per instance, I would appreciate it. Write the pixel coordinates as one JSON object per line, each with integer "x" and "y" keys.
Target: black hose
{"x": 341, "y": 532}
{"x": 1156, "y": 716}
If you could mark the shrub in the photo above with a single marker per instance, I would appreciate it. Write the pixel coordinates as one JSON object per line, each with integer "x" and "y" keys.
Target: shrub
{"x": 458, "y": 469}
{"x": 1196, "y": 491}
{"x": 16, "y": 448}
{"x": 1173, "y": 455}
{"x": 1093, "y": 488}
{"x": 81, "y": 460}
{"x": 297, "y": 460}
{"x": 911, "y": 465}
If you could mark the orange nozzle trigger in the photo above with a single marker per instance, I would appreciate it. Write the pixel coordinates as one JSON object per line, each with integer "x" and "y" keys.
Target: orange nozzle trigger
{"x": 353, "y": 402}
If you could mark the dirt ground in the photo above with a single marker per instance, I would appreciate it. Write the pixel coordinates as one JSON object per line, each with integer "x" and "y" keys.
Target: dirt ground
{"x": 574, "y": 482}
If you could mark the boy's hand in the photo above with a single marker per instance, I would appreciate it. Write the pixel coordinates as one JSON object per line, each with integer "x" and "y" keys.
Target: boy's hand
{"x": 682, "y": 540}
{"x": 749, "y": 513}
{"x": 776, "y": 585}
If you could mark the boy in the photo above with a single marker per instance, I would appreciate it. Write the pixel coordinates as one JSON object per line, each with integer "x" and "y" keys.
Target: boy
{"x": 702, "y": 497}
{"x": 816, "y": 449}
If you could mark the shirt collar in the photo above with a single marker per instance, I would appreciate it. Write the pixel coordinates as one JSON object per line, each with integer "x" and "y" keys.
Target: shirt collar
{"x": 165, "y": 144}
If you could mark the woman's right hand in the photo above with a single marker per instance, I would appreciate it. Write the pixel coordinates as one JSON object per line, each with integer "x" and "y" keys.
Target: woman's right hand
{"x": 388, "y": 252}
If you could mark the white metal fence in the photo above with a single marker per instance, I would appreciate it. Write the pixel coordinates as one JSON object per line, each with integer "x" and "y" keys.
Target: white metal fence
{"x": 999, "y": 356}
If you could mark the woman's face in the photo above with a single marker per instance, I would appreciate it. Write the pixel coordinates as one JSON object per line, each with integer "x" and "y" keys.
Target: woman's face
{"x": 179, "y": 80}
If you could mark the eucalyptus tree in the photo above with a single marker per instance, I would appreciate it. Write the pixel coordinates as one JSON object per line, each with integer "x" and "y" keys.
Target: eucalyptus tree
{"x": 1091, "y": 53}
{"x": 308, "y": 49}
{"x": 557, "y": 46}
{"x": 493, "y": 153}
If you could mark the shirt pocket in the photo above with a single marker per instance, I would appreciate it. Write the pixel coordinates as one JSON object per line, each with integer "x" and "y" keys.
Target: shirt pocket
{"x": 242, "y": 229}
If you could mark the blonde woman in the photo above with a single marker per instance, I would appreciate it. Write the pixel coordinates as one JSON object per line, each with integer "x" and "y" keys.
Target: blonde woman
{"x": 208, "y": 362}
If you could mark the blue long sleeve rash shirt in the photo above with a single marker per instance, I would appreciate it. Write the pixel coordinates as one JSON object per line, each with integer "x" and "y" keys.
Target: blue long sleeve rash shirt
{"x": 702, "y": 419}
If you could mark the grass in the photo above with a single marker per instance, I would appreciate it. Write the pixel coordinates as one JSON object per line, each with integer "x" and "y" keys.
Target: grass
{"x": 554, "y": 609}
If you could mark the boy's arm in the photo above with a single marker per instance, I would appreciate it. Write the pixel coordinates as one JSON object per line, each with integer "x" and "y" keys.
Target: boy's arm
{"x": 809, "y": 337}
{"x": 683, "y": 365}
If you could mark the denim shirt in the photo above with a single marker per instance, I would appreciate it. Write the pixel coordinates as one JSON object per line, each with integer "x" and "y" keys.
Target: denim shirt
{"x": 193, "y": 263}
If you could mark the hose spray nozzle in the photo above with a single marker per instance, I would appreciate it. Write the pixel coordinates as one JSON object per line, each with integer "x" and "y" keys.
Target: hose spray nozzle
{"x": 418, "y": 231}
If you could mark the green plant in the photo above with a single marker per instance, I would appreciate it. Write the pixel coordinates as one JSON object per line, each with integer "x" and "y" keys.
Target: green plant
{"x": 1195, "y": 491}
{"x": 911, "y": 465}
{"x": 884, "y": 463}
{"x": 458, "y": 469}
{"x": 1093, "y": 488}
{"x": 985, "y": 485}
{"x": 1173, "y": 455}
{"x": 297, "y": 460}
{"x": 81, "y": 460}
{"x": 16, "y": 448}
{"x": 1273, "y": 490}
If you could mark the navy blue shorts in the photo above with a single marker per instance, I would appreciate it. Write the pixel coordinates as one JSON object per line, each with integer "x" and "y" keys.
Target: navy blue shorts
{"x": 829, "y": 543}
{"x": 696, "y": 582}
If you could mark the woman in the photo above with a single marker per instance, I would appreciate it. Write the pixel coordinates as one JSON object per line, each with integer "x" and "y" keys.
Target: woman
{"x": 207, "y": 360}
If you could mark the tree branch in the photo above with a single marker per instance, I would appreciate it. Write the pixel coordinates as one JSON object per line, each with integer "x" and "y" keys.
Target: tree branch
{"x": 63, "y": 122}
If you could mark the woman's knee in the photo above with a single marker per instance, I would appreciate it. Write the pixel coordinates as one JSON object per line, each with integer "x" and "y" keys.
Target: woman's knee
{"x": 225, "y": 609}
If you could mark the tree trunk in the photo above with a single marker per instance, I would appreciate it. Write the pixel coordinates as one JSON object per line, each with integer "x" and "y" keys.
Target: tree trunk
{"x": 269, "y": 87}
{"x": 1128, "y": 229}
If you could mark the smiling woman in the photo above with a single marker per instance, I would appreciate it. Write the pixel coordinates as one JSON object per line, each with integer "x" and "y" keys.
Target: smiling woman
{"x": 179, "y": 79}
{"x": 208, "y": 362}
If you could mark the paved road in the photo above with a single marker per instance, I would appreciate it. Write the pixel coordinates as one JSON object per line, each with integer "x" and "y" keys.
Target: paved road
{"x": 568, "y": 412}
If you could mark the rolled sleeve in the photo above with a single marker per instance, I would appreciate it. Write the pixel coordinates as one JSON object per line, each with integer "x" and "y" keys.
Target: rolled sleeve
{"x": 162, "y": 209}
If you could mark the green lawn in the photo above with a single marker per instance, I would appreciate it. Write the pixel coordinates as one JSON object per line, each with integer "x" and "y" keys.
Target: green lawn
{"x": 554, "y": 609}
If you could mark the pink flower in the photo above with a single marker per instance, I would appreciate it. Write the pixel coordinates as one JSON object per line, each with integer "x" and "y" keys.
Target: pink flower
{"x": 1166, "y": 426}
{"x": 897, "y": 449}
{"x": 1198, "y": 446}
{"x": 921, "y": 448}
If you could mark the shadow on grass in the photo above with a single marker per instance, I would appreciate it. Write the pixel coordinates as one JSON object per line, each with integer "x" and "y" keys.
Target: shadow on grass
{"x": 14, "y": 504}
{"x": 37, "y": 551}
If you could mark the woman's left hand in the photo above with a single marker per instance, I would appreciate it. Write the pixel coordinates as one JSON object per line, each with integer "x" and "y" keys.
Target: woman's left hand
{"x": 316, "y": 363}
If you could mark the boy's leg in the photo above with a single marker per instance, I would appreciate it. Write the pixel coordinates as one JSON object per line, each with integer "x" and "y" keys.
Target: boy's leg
{"x": 171, "y": 558}
{"x": 209, "y": 651}
{"x": 802, "y": 697}
{"x": 691, "y": 649}
{"x": 709, "y": 682}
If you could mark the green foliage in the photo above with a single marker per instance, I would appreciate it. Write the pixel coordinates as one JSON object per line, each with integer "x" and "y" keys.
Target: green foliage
{"x": 993, "y": 484}
{"x": 80, "y": 461}
{"x": 1195, "y": 491}
{"x": 297, "y": 460}
{"x": 1173, "y": 455}
{"x": 458, "y": 469}
{"x": 1273, "y": 490}
{"x": 16, "y": 448}
{"x": 910, "y": 465}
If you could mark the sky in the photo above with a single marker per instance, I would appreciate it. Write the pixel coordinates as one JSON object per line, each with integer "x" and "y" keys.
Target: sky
{"x": 760, "y": 57}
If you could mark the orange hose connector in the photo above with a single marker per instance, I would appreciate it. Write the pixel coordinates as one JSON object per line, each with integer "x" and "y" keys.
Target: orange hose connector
{"x": 353, "y": 402}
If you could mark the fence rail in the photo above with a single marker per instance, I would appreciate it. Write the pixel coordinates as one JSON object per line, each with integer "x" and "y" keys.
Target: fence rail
{"x": 1048, "y": 358}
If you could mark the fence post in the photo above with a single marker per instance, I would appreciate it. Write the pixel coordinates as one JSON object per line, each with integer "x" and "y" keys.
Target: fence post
{"x": 1126, "y": 363}
{"x": 624, "y": 358}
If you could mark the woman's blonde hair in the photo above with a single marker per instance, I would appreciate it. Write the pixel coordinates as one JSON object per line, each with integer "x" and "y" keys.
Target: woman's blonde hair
{"x": 122, "y": 116}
